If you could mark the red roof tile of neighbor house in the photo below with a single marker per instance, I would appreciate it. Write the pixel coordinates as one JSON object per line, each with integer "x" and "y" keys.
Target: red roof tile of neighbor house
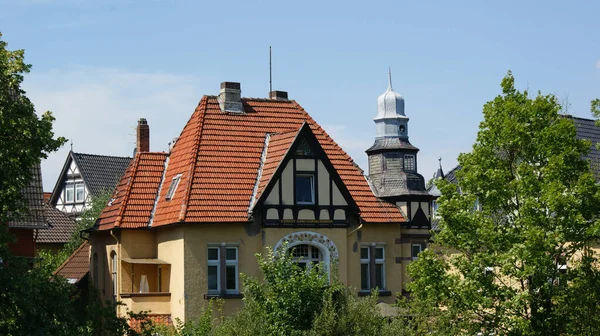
{"x": 77, "y": 265}
{"x": 133, "y": 199}
{"x": 217, "y": 157}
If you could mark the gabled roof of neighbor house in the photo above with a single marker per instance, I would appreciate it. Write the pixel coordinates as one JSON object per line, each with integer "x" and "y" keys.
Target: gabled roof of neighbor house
{"x": 217, "y": 158}
{"x": 77, "y": 265}
{"x": 33, "y": 195}
{"x": 61, "y": 227}
{"x": 100, "y": 173}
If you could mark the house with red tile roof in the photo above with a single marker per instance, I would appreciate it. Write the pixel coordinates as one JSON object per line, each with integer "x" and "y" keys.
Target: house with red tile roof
{"x": 248, "y": 173}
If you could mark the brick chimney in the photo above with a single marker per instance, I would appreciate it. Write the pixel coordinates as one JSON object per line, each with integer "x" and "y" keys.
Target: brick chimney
{"x": 230, "y": 97}
{"x": 143, "y": 136}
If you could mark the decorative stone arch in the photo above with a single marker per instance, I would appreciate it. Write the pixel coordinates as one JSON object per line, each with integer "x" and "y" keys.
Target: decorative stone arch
{"x": 321, "y": 241}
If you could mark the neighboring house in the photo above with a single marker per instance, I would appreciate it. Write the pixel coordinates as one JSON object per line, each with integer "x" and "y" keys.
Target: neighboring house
{"x": 76, "y": 268}
{"x": 26, "y": 228}
{"x": 61, "y": 228}
{"x": 84, "y": 176}
{"x": 247, "y": 173}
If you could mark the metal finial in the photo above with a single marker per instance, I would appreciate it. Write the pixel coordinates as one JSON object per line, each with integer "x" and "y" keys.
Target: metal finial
{"x": 440, "y": 160}
{"x": 390, "y": 78}
{"x": 71, "y": 146}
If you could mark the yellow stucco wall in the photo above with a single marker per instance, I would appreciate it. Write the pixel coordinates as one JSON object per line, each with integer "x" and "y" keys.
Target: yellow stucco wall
{"x": 184, "y": 248}
{"x": 170, "y": 248}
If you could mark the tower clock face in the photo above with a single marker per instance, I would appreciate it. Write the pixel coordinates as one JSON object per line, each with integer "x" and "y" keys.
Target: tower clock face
{"x": 402, "y": 129}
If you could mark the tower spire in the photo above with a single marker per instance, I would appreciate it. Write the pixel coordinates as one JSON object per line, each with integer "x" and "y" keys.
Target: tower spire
{"x": 390, "y": 78}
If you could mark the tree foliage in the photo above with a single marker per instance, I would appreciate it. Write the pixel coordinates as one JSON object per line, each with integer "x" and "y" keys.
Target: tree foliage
{"x": 25, "y": 139}
{"x": 51, "y": 261}
{"x": 500, "y": 269}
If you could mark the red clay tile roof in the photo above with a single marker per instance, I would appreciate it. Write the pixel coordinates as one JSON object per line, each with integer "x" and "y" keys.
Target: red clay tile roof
{"x": 77, "y": 265}
{"x": 61, "y": 227}
{"x": 278, "y": 146}
{"x": 133, "y": 199}
{"x": 218, "y": 156}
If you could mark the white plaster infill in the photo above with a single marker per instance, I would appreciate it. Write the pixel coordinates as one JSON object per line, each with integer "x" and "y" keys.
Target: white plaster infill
{"x": 322, "y": 242}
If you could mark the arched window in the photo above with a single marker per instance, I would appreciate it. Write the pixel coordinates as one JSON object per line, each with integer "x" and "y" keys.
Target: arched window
{"x": 113, "y": 259}
{"x": 306, "y": 255}
{"x": 96, "y": 275}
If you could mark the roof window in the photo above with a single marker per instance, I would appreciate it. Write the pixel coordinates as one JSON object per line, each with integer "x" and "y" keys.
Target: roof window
{"x": 173, "y": 187}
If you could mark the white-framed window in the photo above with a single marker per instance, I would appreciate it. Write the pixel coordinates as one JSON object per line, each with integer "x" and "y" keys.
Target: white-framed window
{"x": 222, "y": 268}
{"x": 415, "y": 250}
{"x": 173, "y": 187}
{"x": 409, "y": 162}
{"x": 79, "y": 192}
{"x": 305, "y": 189}
{"x": 306, "y": 256}
{"x": 372, "y": 258}
{"x": 113, "y": 259}
{"x": 69, "y": 192}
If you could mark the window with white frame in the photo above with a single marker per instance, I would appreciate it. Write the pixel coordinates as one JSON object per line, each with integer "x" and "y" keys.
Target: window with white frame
{"x": 69, "y": 192}
{"x": 305, "y": 189}
{"x": 306, "y": 256}
{"x": 173, "y": 187}
{"x": 409, "y": 162}
{"x": 415, "y": 250}
{"x": 222, "y": 272}
{"x": 372, "y": 267}
{"x": 113, "y": 257}
{"x": 79, "y": 192}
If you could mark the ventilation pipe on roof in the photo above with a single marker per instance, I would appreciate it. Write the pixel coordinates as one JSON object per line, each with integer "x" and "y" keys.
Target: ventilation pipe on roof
{"x": 230, "y": 98}
{"x": 278, "y": 95}
{"x": 143, "y": 136}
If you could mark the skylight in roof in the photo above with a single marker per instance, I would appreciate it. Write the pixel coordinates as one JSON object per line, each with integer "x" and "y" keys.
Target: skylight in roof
{"x": 173, "y": 187}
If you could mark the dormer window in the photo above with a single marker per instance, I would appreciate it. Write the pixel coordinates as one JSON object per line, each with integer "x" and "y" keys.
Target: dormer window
{"x": 173, "y": 187}
{"x": 305, "y": 189}
{"x": 409, "y": 162}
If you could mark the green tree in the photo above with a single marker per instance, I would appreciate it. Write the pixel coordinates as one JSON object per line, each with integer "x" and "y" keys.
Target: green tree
{"x": 51, "y": 261}
{"x": 499, "y": 269}
{"x": 25, "y": 139}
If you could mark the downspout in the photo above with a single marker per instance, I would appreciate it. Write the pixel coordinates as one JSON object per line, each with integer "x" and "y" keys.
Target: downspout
{"x": 118, "y": 284}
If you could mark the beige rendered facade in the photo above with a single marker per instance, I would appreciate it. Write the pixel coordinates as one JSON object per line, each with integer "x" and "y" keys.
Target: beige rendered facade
{"x": 182, "y": 253}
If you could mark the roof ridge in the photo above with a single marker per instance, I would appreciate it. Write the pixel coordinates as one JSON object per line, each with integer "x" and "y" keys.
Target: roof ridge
{"x": 184, "y": 205}
{"x": 106, "y": 156}
{"x": 128, "y": 190}
{"x": 85, "y": 242}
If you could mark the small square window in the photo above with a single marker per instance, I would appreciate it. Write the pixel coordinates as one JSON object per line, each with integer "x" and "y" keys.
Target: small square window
{"x": 379, "y": 253}
{"x": 173, "y": 187}
{"x": 231, "y": 253}
{"x": 364, "y": 253}
{"x": 213, "y": 254}
{"x": 305, "y": 189}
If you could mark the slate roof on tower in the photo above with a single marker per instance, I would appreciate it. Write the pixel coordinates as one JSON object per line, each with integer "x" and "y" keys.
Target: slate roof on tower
{"x": 216, "y": 161}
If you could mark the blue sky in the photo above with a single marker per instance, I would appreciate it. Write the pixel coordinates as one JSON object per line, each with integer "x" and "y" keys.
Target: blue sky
{"x": 101, "y": 65}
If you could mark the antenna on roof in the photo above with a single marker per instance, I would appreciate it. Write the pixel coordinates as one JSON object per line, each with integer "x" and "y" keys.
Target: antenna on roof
{"x": 270, "y": 72}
